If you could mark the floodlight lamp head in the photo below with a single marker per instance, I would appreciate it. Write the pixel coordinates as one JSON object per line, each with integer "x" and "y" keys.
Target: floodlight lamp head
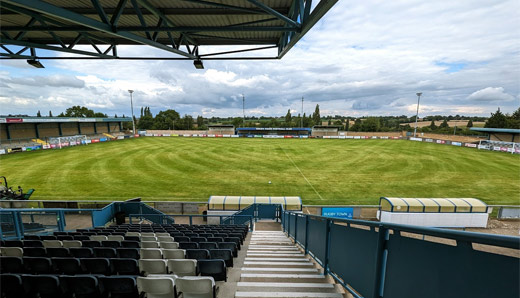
{"x": 198, "y": 64}
{"x": 130, "y": 91}
{"x": 35, "y": 63}
{"x": 419, "y": 93}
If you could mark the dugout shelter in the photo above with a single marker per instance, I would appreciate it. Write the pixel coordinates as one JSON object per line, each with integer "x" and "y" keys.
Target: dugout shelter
{"x": 500, "y": 134}
{"x": 434, "y": 212}
{"x": 325, "y": 130}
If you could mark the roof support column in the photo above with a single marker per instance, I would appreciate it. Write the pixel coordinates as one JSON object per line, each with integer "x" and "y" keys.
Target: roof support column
{"x": 59, "y": 129}
{"x": 36, "y": 131}
{"x": 79, "y": 127}
{"x": 108, "y": 127}
{"x": 95, "y": 127}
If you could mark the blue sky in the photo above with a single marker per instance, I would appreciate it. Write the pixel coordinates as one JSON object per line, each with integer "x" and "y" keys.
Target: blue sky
{"x": 363, "y": 58}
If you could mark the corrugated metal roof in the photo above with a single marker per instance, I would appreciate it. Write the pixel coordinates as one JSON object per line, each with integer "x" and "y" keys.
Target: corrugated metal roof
{"x": 503, "y": 130}
{"x": 436, "y": 205}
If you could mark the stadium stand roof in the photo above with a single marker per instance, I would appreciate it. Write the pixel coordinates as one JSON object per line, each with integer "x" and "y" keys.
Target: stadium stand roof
{"x": 434, "y": 205}
{"x": 182, "y": 27}
{"x": 241, "y": 202}
{"x": 496, "y": 130}
{"x": 273, "y": 128}
{"x": 60, "y": 119}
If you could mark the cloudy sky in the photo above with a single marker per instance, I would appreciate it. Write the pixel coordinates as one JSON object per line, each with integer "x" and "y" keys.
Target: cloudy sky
{"x": 363, "y": 58}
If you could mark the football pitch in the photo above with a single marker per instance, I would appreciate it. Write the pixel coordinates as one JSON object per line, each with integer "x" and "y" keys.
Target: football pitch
{"x": 321, "y": 171}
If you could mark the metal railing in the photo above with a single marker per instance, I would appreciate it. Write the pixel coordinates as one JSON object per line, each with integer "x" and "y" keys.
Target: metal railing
{"x": 223, "y": 219}
{"x": 373, "y": 259}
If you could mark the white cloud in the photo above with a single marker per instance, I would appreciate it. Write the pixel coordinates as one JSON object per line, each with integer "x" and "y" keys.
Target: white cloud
{"x": 490, "y": 94}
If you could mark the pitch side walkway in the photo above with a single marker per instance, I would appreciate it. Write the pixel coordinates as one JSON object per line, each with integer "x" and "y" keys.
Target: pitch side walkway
{"x": 275, "y": 267}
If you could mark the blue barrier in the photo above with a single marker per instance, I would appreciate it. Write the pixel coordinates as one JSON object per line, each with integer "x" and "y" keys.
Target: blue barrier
{"x": 103, "y": 216}
{"x": 376, "y": 260}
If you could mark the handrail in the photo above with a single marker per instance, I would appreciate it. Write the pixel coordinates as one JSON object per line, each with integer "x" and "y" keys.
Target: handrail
{"x": 384, "y": 250}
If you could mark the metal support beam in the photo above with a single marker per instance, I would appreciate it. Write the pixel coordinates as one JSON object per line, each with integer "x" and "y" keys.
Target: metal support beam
{"x": 64, "y": 14}
{"x": 160, "y": 28}
{"x": 47, "y": 47}
{"x": 275, "y": 13}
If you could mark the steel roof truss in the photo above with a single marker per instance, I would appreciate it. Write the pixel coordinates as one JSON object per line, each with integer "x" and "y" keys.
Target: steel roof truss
{"x": 22, "y": 33}
{"x": 100, "y": 11}
{"x": 118, "y": 12}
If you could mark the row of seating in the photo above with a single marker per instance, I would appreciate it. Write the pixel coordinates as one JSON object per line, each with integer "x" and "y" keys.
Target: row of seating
{"x": 83, "y": 286}
{"x": 114, "y": 266}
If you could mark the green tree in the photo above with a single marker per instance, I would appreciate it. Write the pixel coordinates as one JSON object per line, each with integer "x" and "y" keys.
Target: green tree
{"x": 347, "y": 124}
{"x": 371, "y": 124}
{"x": 50, "y": 113}
{"x": 357, "y": 125}
{"x": 513, "y": 121}
{"x": 444, "y": 124}
{"x": 38, "y": 114}
{"x": 237, "y": 121}
{"x": 497, "y": 120}
{"x": 433, "y": 126}
{"x": 79, "y": 111}
{"x": 288, "y": 118}
{"x": 200, "y": 122}
{"x": 316, "y": 118}
{"x": 165, "y": 119}
{"x": 470, "y": 123}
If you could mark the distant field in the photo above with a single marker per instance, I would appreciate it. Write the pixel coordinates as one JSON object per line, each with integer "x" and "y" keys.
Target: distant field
{"x": 320, "y": 171}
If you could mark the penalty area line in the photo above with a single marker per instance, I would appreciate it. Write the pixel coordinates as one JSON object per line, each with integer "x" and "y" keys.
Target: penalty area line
{"x": 310, "y": 184}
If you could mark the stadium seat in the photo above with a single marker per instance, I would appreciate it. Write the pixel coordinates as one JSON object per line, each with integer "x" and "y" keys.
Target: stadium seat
{"x": 131, "y": 253}
{"x": 130, "y": 244}
{"x": 157, "y": 286}
{"x": 165, "y": 239}
{"x": 61, "y": 252}
{"x": 115, "y": 238}
{"x": 147, "y": 234}
{"x": 148, "y": 238}
{"x": 205, "y": 235}
{"x": 229, "y": 245}
{"x": 11, "y": 251}
{"x": 215, "y": 239}
{"x": 182, "y": 267}
{"x": 148, "y": 267}
{"x": 64, "y": 237}
{"x": 149, "y": 244}
{"x": 173, "y": 253}
{"x": 31, "y": 237}
{"x": 69, "y": 266}
{"x": 133, "y": 234}
{"x": 34, "y": 252}
{"x": 105, "y": 252}
{"x": 223, "y": 254}
{"x": 91, "y": 243}
{"x": 38, "y": 265}
{"x": 27, "y": 243}
{"x": 208, "y": 245}
{"x": 197, "y": 254}
{"x": 233, "y": 239}
{"x": 52, "y": 243}
{"x": 119, "y": 286}
{"x": 43, "y": 285}
{"x": 133, "y": 238}
{"x": 181, "y": 239}
{"x": 71, "y": 243}
{"x": 213, "y": 268}
{"x": 97, "y": 265}
{"x": 81, "y": 252}
{"x": 98, "y": 238}
{"x": 81, "y": 237}
{"x": 111, "y": 243}
{"x": 151, "y": 253}
{"x": 15, "y": 288}
{"x": 196, "y": 286}
{"x": 48, "y": 237}
{"x": 238, "y": 235}
{"x": 11, "y": 265}
{"x": 162, "y": 234}
{"x": 169, "y": 245}
{"x": 83, "y": 286}
{"x": 125, "y": 266}
{"x": 188, "y": 245}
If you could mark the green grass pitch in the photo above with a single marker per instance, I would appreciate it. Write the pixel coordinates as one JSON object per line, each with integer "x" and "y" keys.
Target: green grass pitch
{"x": 320, "y": 171}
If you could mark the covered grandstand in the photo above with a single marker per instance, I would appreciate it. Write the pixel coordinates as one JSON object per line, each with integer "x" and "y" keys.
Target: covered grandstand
{"x": 273, "y": 132}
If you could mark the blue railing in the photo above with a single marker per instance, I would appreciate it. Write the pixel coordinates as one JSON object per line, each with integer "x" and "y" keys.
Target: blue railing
{"x": 223, "y": 219}
{"x": 257, "y": 211}
{"x": 372, "y": 259}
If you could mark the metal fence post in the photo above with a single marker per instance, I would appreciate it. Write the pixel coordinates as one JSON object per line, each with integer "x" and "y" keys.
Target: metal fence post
{"x": 327, "y": 245}
{"x": 306, "y": 234}
{"x": 295, "y": 228}
{"x": 380, "y": 259}
{"x": 289, "y": 224}
{"x": 191, "y": 220}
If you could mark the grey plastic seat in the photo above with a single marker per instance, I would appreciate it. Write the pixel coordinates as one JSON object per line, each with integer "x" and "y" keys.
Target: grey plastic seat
{"x": 98, "y": 238}
{"x": 174, "y": 253}
{"x": 11, "y": 251}
{"x": 196, "y": 287}
{"x": 148, "y": 267}
{"x": 147, "y": 234}
{"x": 149, "y": 244}
{"x": 169, "y": 245}
{"x": 151, "y": 253}
{"x": 162, "y": 234}
{"x": 165, "y": 238}
{"x": 72, "y": 243}
{"x": 157, "y": 286}
{"x": 115, "y": 238}
{"x": 182, "y": 267}
{"x": 52, "y": 243}
{"x": 148, "y": 238}
{"x": 133, "y": 234}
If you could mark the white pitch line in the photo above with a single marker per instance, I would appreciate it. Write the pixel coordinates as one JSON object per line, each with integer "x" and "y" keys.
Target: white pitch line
{"x": 301, "y": 173}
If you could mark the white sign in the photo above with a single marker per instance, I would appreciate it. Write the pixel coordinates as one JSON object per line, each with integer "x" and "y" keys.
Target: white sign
{"x": 2, "y": 151}
{"x": 416, "y": 139}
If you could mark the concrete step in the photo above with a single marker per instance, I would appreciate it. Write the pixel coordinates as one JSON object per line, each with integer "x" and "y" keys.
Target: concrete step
{"x": 284, "y": 264}
{"x": 273, "y": 255}
{"x": 286, "y": 295}
{"x": 274, "y": 252}
{"x": 285, "y": 285}
{"x": 272, "y": 269}
{"x": 279, "y": 275}
{"x": 277, "y": 259}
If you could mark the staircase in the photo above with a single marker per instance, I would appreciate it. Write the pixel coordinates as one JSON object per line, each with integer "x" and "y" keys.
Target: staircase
{"x": 275, "y": 267}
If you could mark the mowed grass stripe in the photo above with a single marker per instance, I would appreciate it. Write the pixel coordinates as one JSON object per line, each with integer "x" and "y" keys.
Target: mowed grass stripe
{"x": 342, "y": 171}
